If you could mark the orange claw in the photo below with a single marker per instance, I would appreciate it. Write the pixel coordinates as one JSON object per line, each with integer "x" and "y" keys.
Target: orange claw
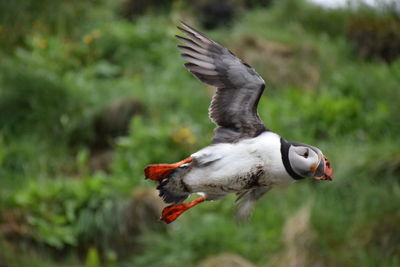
{"x": 172, "y": 212}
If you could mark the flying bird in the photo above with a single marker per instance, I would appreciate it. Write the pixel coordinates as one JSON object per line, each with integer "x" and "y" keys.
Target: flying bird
{"x": 245, "y": 158}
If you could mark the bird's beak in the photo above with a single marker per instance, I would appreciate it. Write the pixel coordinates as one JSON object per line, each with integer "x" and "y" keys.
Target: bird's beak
{"x": 325, "y": 169}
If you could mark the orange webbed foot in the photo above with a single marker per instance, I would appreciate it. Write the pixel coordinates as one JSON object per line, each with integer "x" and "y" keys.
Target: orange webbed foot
{"x": 172, "y": 212}
{"x": 157, "y": 172}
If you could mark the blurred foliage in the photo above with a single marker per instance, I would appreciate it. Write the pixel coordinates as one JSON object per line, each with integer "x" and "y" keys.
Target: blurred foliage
{"x": 18, "y": 19}
{"x": 64, "y": 62}
{"x": 48, "y": 107}
{"x": 62, "y": 211}
{"x": 376, "y": 37}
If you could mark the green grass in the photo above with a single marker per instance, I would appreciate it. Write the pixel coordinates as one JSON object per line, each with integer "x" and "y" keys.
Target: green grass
{"x": 53, "y": 81}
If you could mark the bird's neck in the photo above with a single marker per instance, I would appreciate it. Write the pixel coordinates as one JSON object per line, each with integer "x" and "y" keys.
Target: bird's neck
{"x": 285, "y": 145}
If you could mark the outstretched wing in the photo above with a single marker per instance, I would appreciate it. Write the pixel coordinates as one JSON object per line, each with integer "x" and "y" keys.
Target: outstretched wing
{"x": 239, "y": 87}
{"x": 247, "y": 199}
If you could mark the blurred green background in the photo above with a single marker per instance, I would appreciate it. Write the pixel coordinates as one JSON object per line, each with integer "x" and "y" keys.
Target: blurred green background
{"x": 91, "y": 91}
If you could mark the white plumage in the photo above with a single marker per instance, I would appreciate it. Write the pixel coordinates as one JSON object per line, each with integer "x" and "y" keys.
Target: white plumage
{"x": 228, "y": 167}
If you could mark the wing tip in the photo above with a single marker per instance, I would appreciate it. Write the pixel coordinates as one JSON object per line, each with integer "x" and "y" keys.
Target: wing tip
{"x": 180, "y": 28}
{"x": 184, "y": 24}
{"x": 190, "y": 64}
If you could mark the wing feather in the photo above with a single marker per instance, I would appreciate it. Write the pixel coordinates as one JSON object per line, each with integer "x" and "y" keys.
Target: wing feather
{"x": 239, "y": 87}
{"x": 247, "y": 199}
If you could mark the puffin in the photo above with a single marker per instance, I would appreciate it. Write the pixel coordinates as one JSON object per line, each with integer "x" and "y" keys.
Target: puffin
{"x": 245, "y": 157}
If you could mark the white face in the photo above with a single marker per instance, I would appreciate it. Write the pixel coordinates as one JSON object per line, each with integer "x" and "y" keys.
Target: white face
{"x": 304, "y": 160}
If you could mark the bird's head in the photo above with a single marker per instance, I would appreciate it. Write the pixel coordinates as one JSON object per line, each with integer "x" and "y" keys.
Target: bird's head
{"x": 309, "y": 161}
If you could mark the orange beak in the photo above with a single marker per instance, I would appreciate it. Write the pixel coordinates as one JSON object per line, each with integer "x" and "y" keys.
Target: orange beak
{"x": 328, "y": 172}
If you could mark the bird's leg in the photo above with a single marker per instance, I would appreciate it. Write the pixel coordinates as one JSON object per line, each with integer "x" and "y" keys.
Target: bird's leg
{"x": 172, "y": 212}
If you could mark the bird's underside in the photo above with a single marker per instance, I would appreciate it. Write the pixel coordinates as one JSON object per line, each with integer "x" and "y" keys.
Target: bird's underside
{"x": 179, "y": 180}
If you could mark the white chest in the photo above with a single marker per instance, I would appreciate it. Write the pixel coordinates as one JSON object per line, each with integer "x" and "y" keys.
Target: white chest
{"x": 228, "y": 167}
{"x": 268, "y": 149}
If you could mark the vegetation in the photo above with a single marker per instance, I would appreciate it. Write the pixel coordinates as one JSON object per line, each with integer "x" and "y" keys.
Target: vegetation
{"x": 62, "y": 65}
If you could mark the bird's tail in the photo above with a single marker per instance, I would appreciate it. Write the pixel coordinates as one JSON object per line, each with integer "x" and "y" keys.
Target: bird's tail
{"x": 171, "y": 188}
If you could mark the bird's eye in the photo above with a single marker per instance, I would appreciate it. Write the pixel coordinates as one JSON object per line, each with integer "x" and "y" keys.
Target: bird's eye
{"x": 305, "y": 155}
